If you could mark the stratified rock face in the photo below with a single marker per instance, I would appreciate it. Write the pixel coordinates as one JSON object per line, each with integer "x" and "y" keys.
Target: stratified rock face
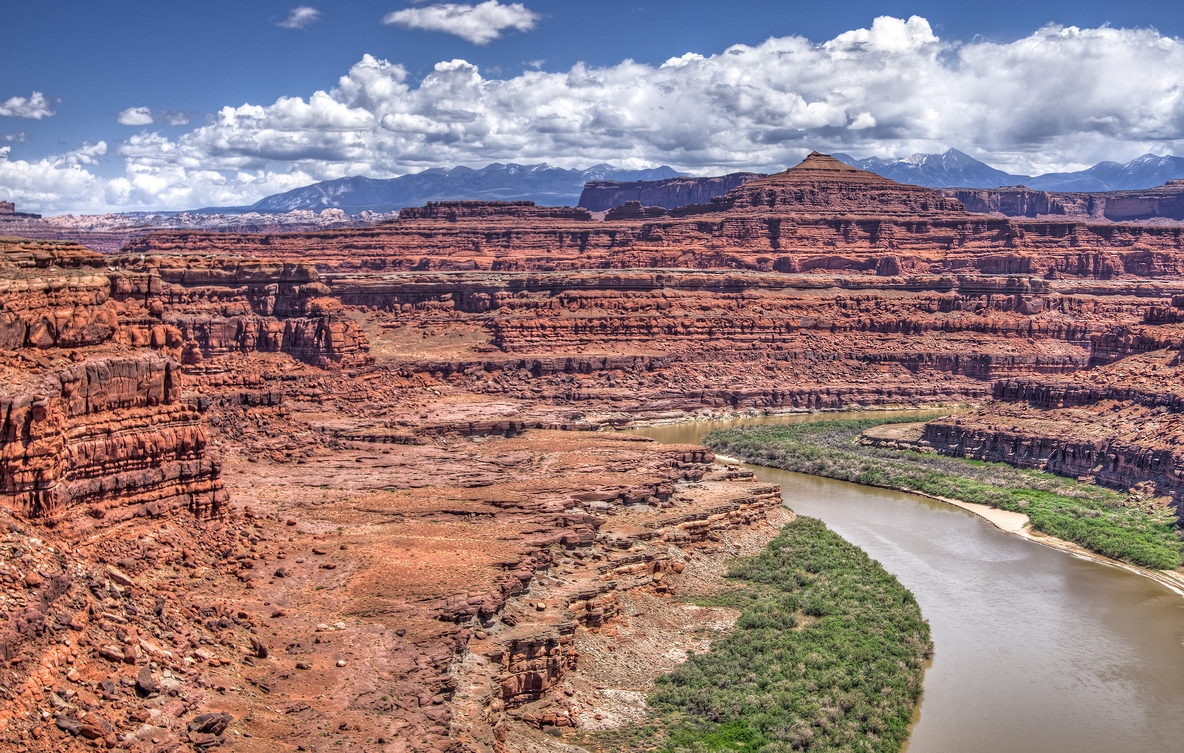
{"x": 103, "y": 430}
{"x": 602, "y": 195}
{"x": 219, "y": 306}
{"x": 821, "y": 216}
{"x": 1119, "y": 424}
{"x": 53, "y": 295}
{"x": 108, "y": 435}
{"x": 1163, "y": 203}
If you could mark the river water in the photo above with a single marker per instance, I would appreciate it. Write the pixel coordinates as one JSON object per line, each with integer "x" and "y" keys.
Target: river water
{"x": 1035, "y": 650}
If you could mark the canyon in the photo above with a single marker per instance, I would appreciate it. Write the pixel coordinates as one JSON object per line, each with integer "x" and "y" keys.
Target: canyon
{"x": 360, "y": 485}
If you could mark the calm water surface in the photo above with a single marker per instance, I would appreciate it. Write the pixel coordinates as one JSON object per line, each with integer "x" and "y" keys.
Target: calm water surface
{"x": 1036, "y": 650}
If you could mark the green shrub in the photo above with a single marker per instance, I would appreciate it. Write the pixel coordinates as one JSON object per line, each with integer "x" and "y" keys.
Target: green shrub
{"x": 828, "y": 654}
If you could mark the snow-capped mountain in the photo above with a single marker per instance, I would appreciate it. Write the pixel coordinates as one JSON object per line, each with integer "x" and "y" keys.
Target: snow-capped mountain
{"x": 542, "y": 184}
{"x": 954, "y": 169}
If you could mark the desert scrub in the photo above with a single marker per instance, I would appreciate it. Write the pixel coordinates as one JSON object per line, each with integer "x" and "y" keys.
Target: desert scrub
{"x": 1089, "y": 515}
{"x": 828, "y": 654}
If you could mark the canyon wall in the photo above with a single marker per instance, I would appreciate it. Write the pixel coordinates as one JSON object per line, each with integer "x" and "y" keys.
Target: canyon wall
{"x": 1117, "y": 424}
{"x": 107, "y": 438}
{"x": 1163, "y": 203}
{"x": 91, "y": 408}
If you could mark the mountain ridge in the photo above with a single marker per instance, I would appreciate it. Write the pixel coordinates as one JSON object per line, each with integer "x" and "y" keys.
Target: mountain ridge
{"x": 554, "y": 186}
{"x": 540, "y": 183}
{"x": 955, "y": 169}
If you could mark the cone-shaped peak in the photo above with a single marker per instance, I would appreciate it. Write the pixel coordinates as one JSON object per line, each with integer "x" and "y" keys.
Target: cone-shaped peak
{"x": 823, "y": 162}
{"x": 821, "y": 184}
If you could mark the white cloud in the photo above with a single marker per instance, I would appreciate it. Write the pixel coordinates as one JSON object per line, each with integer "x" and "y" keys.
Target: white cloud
{"x": 168, "y": 117}
{"x": 54, "y": 182}
{"x": 1061, "y": 98}
{"x": 683, "y": 60}
{"x": 862, "y": 120}
{"x": 479, "y": 24}
{"x": 300, "y": 17}
{"x": 35, "y": 107}
{"x": 135, "y": 116}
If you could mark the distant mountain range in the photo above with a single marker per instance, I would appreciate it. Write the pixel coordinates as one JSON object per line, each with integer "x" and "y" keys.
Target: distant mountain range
{"x": 954, "y": 169}
{"x": 555, "y": 186}
{"x": 542, "y": 184}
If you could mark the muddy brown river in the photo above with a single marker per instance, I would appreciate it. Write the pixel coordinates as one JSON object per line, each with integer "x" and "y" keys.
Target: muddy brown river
{"x": 1036, "y": 651}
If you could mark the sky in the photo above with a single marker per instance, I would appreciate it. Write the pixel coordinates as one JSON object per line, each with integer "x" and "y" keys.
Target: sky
{"x": 176, "y": 104}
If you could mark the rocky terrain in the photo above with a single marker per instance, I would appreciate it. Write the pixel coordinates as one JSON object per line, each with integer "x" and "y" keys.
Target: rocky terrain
{"x": 821, "y": 216}
{"x": 1117, "y": 425}
{"x": 346, "y": 489}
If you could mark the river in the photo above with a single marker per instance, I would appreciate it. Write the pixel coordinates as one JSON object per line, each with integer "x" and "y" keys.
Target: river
{"x": 1035, "y": 650}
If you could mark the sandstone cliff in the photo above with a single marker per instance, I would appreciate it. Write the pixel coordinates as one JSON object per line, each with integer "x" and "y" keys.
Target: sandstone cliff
{"x": 107, "y": 438}
{"x": 1165, "y": 203}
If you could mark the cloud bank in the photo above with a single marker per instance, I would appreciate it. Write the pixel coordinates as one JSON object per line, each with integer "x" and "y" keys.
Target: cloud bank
{"x": 1061, "y": 98}
{"x": 33, "y": 107}
{"x": 479, "y": 24}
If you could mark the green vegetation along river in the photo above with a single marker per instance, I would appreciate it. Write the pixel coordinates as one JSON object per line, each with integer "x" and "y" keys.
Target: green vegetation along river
{"x": 1034, "y": 649}
{"x": 827, "y": 655}
{"x": 1099, "y": 519}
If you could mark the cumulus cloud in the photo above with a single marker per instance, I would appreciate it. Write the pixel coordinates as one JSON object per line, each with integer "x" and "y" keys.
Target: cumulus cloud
{"x": 135, "y": 116}
{"x": 54, "y": 182}
{"x": 479, "y": 24}
{"x": 300, "y": 17}
{"x": 33, "y": 107}
{"x": 1061, "y": 98}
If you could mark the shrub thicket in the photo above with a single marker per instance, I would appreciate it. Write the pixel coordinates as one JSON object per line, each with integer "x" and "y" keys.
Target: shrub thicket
{"x": 828, "y": 654}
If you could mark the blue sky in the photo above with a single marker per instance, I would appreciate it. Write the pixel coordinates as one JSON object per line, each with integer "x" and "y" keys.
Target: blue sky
{"x": 182, "y": 63}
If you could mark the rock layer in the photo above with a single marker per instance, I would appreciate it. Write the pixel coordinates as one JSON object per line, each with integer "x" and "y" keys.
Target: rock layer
{"x": 1165, "y": 203}
{"x": 107, "y": 436}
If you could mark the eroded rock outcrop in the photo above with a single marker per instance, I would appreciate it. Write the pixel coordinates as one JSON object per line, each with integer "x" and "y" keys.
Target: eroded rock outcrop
{"x": 1118, "y": 425}
{"x": 1165, "y": 203}
{"x": 107, "y": 438}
